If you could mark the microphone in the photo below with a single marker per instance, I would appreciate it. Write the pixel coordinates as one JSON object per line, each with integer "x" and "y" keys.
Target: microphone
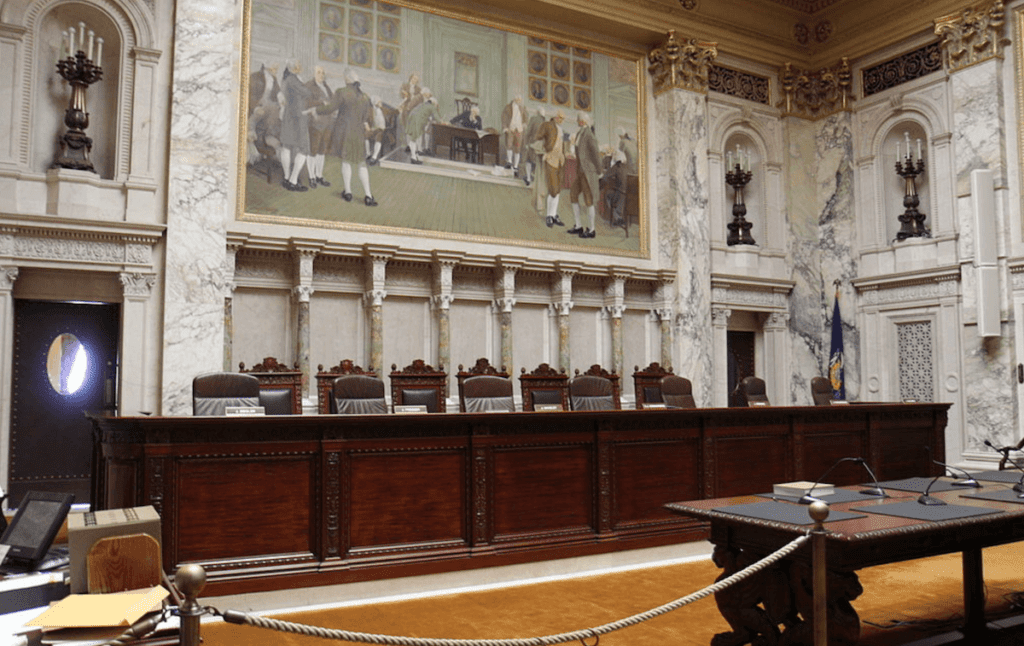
{"x": 967, "y": 481}
{"x": 1019, "y": 487}
{"x": 807, "y": 498}
{"x": 925, "y": 499}
{"x": 876, "y": 490}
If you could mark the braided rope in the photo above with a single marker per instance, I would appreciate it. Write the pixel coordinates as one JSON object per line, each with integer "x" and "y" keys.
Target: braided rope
{"x": 548, "y": 640}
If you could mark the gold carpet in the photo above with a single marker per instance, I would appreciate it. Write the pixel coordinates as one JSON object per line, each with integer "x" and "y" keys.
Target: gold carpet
{"x": 901, "y": 603}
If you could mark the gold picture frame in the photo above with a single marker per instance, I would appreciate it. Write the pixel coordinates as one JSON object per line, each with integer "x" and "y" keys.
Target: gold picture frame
{"x": 444, "y": 196}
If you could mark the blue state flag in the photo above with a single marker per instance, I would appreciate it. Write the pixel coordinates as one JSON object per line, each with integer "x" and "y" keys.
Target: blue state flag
{"x": 835, "y": 360}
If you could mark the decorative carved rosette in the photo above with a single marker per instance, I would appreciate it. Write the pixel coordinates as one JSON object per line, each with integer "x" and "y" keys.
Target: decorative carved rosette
{"x": 973, "y": 35}
{"x": 681, "y": 65}
{"x": 813, "y": 95}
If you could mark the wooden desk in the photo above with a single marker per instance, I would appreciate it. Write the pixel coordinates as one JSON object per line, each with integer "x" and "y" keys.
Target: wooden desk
{"x": 445, "y": 134}
{"x": 851, "y": 545}
{"x": 287, "y": 501}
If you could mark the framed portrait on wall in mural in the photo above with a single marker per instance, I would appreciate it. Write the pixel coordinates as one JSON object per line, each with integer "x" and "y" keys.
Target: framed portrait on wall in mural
{"x": 393, "y": 118}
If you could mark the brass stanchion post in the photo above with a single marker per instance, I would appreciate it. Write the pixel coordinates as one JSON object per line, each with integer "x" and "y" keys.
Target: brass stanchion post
{"x": 190, "y": 579}
{"x": 819, "y": 573}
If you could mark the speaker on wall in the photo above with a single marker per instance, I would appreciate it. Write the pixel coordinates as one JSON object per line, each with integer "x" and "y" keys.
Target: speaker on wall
{"x": 983, "y": 203}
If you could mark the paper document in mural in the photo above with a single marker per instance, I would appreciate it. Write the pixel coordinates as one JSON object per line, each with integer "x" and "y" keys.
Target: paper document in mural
{"x": 835, "y": 361}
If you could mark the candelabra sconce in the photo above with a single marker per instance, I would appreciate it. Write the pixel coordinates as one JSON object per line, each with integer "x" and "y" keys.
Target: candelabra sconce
{"x": 737, "y": 177}
{"x": 80, "y": 71}
{"x": 912, "y": 220}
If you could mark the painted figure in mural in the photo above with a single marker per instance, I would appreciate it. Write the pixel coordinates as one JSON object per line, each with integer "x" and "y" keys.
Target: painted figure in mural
{"x": 528, "y": 160}
{"x": 264, "y": 88}
{"x": 264, "y": 133}
{"x": 550, "y": 140}
{"x": 513, "y": 121}
{"x": 418, "y": 120}
{"x": 319, "y": 128}
{"x": 628, "y": 147}
{"x": 585, "y": 183}
{"x": 294, "y": 126}
{"x": 613, "y": 182}
{"x": 469, "y": 119}
{"x": 375, "y": 138}
{"x": 353, "y": 121}
{"x": 412, "y": 96}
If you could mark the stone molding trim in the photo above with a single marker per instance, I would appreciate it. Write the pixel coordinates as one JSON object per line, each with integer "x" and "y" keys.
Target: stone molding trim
{"x": 40, "y": 241}
{"x": 750, "y": 294}
{"x": 972, "y": 36}
{"x": 815, "y": 95}
{"x": 901, "y": 289}
{"x": 685, "y": 65}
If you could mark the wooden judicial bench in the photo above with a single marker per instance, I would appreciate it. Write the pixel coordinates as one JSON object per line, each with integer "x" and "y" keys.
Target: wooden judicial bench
{"x": 288, "y": 501}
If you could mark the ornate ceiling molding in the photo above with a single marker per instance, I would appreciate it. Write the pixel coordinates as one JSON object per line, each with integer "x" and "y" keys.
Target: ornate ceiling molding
{"x": 681, "y": 65}
{"x": 973, "y": 35}
{"x": 813, "y": 95}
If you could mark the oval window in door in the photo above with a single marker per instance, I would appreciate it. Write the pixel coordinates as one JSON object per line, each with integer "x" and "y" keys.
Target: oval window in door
{"x": 66, "y": 364}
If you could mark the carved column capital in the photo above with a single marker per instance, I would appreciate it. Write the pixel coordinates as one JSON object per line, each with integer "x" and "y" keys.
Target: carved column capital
{"x": 973, "y": 35}
{"x": 720, "y": 316}
{"x": 441, "y": 301}
{"x": 813, "y": 95}
{"x": 7, "y": 277}
{"x": 504, "y": 304}
{"x": 374, "y": 297}
{"x": 613, "y": 311}
{"x": 137, "y": 286}
{"x": 302, "y": 293}
{"x": 776, "y": 321}
{"x": 681, "y": 65}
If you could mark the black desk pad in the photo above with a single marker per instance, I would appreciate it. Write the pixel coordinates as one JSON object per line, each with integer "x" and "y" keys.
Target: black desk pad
{"x": 918, "y": 485}
{"x": 782, "y": 512}
{"x": 840, "y": 495}
{"x": 1011, "y": 477}
{"x": 998, "y": 495}
{"x": 917, "y": 511}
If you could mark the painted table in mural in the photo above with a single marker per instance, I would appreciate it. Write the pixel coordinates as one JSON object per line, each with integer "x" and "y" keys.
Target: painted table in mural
{"x": 877, "y": 532}
{"x": 476, "y": 143}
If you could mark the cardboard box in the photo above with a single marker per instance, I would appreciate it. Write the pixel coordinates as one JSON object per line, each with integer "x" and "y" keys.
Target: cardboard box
{"x": 85, "y": 529}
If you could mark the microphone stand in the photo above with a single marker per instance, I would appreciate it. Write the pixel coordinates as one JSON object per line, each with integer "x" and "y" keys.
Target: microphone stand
{"x": 925, "y": 499}
{"x": 876, "y": 490}
{"x": 807, "y": 498}
{"x": 1019, "y": 487}
{"x": 968, "y": 479}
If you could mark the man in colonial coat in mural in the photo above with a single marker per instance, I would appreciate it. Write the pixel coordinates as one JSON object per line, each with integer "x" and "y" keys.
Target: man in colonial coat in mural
{"x": 588, "y": 168}
{"x": 530, "y": 157}
{"x": 294, "y": 126}
{"x": 549, "y": 142}
{"x": 319, "y": 128}
{"x": 348, "y": 135}
{"x": 416, "y": 123}
{"x": 513, "y": 122}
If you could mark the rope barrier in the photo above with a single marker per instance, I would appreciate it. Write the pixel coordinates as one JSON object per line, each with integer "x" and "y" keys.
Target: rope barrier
{"x": 242, "y": 618}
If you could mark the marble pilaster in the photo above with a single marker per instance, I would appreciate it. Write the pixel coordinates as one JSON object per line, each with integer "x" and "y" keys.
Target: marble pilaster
{"x": 442, "y": 302}
{"x": 663, "y": 297}
{"x": 135, "y": 392}
{"x": 681, "y": 172}
{"x": 373, "y": 301}
{"x": 7, "y": 277}
{"x": 201, "y": 154}
{"x": 561, "y": 291}
{"x": 720, "y": 333}
{"x": 229, "y": 316}
{"x": 614, "y": 305}
{"x": 303, "y": 290}
{"x": 504, "y": 301}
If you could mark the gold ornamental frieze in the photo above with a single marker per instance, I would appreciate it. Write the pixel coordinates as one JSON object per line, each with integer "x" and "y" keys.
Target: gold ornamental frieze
{"x": 973, "y": 35}
{"x": 682, "y": 65}
{"x": 813, "y": 95}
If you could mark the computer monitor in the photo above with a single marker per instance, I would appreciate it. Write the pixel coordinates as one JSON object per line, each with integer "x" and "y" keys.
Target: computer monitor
{"x": 35, "y": 524}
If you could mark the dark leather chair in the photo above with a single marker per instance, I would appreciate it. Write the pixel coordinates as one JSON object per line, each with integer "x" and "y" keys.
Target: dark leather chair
{"x": 487, "y": 393}
{"x": 821, "y": 391}
{"x": 482, "y": 367}
{"x": 647, "y": 384}
{"x": 280, "y": 386}
{"x": 677, "y": 392}
{"x": 594, "y": 390}
{"x": 419, "y": 384}
{"x": 213, "y": 392}
{"x": 325, "y": 383}
{"x": 754, "y": 392}
{"x": 544, "y": 386}
{"x": 358, "y": 395}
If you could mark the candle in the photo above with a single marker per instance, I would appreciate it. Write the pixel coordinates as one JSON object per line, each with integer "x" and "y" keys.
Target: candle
{"x": 897, "y": 152}
{"x": 89, "y": 54}
{"x": 919, "y": 149}
{"x": 728, "y": 162}
{"x": 746, "y": 158}
{"x": 906, "y": 137}
{"x": 63, "y": 44}
{"x": 99, "y": 51}
{"x": 81, "y": 35}
{"x": 71, "y": 42}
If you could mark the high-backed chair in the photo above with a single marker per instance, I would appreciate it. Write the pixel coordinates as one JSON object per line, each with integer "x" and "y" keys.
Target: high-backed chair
{"x": 544, "y": 386}
{"x": 487, "y": 393}
{"x": 647, "y": 384}
{"x": 280, "y": 386}
{"x": 482, "y": 367}
{"x": 821, "y": 391}
{"x": 325, "y": 383}
{"x": 754, "y": 392}
{"x": 358, "y": 395}
{"x": 677, "y": 392}
{"x": 213, "y": 392}
{"x": 596, "y": 389}
{"x": 419, "y": 384}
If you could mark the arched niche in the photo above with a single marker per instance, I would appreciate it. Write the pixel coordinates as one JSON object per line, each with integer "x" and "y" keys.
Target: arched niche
{"x": 741, "y": 144}
{"x": 904, "y": 134}
{"x": 52, "y": 93}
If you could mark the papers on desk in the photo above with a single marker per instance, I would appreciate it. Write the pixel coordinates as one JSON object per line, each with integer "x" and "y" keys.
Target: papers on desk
{"x": 100, "y": 610}
{"x": 783, "y": 512}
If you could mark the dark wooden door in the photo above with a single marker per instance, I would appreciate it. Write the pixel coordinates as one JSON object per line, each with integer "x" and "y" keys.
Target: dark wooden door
{"x": 740, "y": 346}
{"x": 64, "y": 359}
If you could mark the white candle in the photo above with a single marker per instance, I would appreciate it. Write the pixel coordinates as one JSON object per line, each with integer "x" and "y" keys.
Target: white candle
{"x": 728, "y": 162}
{"x": 99, "y": 51}
{"x": 919, "y": 149}
{"x": 746, "y": 159}
{"x": 89, "y": 53}
{"x": 63, "y": 44}
{"x": 81, "y": 35}
{"x": 906, "y": 137}
{"x": 71, "y": 42}
{"x": 897, "y": 152}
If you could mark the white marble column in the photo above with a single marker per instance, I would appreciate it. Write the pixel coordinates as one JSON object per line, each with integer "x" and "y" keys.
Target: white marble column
{"x": 504, "y": 301}
{"x": 720, "y": 379}
{"x": 614, "y": 306}
{"x": 561, "y": 291}
{"x": 199, "y": 194}
{"x": 441, "y": 301}
{"x": 135, "y": 394}
{"x": 7, "y": 277}
{"x": 373, "y": 302}
{"x": 303, "y": 291}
